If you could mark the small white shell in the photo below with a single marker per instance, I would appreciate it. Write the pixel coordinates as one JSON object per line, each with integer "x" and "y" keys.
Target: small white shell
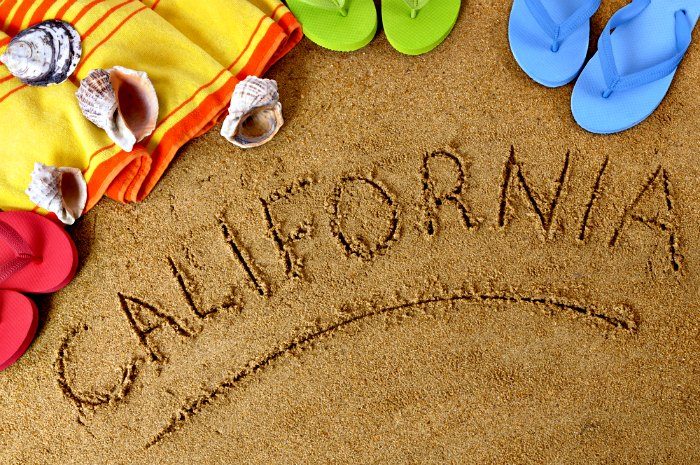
{"x": 62, "y": 191}
{"x": 255, "y": 113}
{"x": 121, "y": 101}
{"x": 44, "y": 54}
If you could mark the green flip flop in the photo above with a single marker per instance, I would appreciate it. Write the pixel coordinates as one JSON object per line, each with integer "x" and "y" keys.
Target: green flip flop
{"x": 415, "y": 27}
{"x": 340, "y": 25}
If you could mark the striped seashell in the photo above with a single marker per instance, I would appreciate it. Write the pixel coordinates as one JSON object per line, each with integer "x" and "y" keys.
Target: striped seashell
{"x": 121, "y": 101}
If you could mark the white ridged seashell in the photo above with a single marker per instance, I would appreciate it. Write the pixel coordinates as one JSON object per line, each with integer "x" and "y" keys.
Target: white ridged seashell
{"x": 255, "y": 113}
{"x": 44, "y": 54}
{"x": 121, "y": 101}
{"x": 62, "y": 191}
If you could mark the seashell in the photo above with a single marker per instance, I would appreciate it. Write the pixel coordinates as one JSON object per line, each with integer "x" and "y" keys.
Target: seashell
{"x": 44, "y": 54}
{"x": 121, "y": 101}
{"x": 255, "y": 113}
{"x": 62, "y": 191}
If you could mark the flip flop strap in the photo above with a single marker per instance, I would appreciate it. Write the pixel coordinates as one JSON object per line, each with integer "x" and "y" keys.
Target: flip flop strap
{"x": 341, "y": 6}
{"x": 559, "y": 32}
{"x": 22, "y": 250}
{"x": 613, "y": 79}
{"x": 415, "y": 6}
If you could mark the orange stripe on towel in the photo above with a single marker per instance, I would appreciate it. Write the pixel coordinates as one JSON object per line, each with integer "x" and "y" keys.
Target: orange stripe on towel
{"x": 250, "y": 41}
{"x": 92, "y": 157}
{"x": 264, "y": 51}
{"x": 292, "y": 29}
{"x": 64, "y": 8}
{"x": 179, "y": 107}
{"x": 104, "y": 18}
{"x": 12, "y": 92}
{"x": 5, "y": 41}
{"x": 84, "y": 11}
{"x": 41, "y": 11}
{"x": 274, "y": 12}
{"x": 5, "y": 9}
{"x": 18, "y": 18}
{"x": 109, "y": 36}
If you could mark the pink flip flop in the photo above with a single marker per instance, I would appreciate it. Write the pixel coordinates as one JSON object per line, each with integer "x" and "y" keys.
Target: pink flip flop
{"x": 36, "y": 255}
{"x": 19, "y": 319}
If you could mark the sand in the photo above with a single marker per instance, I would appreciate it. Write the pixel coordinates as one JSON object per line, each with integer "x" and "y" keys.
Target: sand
{"x": 431, "y": 263}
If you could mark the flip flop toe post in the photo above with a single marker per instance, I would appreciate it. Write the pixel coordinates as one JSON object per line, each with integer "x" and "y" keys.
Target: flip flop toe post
{"x": 36, "y": 255}
{"x": 638, "y": 54}
{"x": 414, "y": 27}
{"x": 18, "y": 323}
{"x": 339, "y": 25}
{"x": 550, "y": 38}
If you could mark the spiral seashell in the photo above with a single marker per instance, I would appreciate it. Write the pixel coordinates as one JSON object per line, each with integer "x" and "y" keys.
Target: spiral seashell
{"x": 255, "y": 113}
{"x": 44, "y": 54}
{"x": 62, "y": 191}
{"x": 121, "y": 101}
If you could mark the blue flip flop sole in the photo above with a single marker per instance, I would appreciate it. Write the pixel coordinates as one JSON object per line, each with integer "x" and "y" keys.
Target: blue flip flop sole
{"x": 647, "y": 39}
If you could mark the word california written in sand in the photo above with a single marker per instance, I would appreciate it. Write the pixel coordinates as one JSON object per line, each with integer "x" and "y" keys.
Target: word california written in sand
{"x": 442, "y": 190}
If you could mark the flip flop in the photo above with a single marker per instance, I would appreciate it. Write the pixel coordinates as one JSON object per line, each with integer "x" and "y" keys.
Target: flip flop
{"x": 19, "y": 319}
{"x": 414, "y": 27}
{"x": 549, "y": 38}
{"x": 36, "y": 255}
{"x": 339, "y": 25}
{"x": 631, "y": 73}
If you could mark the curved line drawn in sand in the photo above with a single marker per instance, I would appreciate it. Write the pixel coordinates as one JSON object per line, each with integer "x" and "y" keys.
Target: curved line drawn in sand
{"x": 358, "y": 246}
{"x": 434, "y": 201}
{"x": 92, "y": 400}
{"x": 619, "y": 317}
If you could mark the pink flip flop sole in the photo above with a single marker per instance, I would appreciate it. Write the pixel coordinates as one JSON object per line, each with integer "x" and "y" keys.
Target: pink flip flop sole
{"x": 19, "y": 319}
{"x": 56, "y": 257}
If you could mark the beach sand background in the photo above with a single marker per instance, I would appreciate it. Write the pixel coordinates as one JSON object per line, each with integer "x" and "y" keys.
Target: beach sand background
{"x": 431, "y": 263}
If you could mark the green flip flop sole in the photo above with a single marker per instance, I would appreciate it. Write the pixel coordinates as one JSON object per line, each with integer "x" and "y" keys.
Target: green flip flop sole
{"x": 422, "y": 33}
{"x": 330, "y": 29}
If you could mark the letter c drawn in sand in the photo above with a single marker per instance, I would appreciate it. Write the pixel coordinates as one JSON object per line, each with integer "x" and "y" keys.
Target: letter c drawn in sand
{"x": 85, "y": 399}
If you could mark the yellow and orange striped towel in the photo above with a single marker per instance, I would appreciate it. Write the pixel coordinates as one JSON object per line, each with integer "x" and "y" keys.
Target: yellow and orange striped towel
{"x": 194, "y": 52}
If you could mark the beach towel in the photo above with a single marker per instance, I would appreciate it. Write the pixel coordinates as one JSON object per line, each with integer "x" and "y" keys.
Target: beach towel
{"x": 194, "y": 53}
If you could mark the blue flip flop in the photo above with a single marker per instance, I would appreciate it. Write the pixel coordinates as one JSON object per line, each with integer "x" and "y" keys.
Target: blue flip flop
{"x": 631, "y": 73}
{"x": 549, "y": 38}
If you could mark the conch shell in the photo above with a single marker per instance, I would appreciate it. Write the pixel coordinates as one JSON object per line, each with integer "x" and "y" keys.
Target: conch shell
{"x": 121, "y": 101}
{"x": 44, "y": 54}
{"x": 62, "y": 191}
{"x": 255, "y": 113}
